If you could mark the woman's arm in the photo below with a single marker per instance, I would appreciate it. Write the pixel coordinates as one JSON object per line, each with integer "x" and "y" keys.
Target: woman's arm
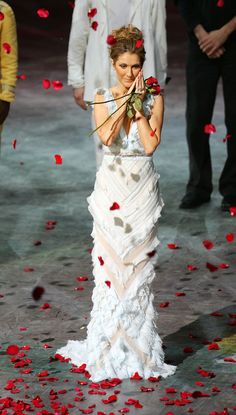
{"x": 150, "y": 130}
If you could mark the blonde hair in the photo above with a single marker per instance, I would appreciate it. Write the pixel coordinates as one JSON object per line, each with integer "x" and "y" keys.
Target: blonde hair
{"x": 127, "y": 39}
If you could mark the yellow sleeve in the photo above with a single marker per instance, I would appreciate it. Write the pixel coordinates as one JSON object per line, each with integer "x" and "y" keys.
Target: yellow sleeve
{"x": 8, "y": 61}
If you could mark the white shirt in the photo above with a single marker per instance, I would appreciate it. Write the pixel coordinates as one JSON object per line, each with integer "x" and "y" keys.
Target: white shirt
{"x": 118, "y": 13}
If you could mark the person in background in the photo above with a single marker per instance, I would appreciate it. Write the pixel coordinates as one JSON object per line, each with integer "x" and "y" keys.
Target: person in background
{"x": 8, "y": 60}
{"x": 88, "y": 48}
{"x": 211, "y": 57}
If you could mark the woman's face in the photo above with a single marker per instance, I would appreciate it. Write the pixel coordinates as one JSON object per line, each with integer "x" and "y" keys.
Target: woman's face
{"x": 127, "y": 67}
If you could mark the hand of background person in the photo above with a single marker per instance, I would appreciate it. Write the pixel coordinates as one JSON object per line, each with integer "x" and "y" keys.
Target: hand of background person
{"x": 79, "y": 97}
{"x": 213, "y": 41}
{"x": 203, "y": 37}
{"x": 4, "y": 110}
{"x": 217, "y": 54}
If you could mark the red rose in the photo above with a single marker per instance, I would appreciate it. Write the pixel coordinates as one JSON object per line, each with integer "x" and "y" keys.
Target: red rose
{"x": 139, "y": 43}
{"x": 156, "y": 89}
{"x": 92, "y": 13}
{"x": 151, "y": 80}
{"x": 111, "y": 40}
{"x": 94, "y": 25}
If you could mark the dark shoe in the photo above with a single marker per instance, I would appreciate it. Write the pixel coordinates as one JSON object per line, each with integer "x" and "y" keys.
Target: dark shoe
{"x": 192, "y": 200}
{"x": 227, "y": 203}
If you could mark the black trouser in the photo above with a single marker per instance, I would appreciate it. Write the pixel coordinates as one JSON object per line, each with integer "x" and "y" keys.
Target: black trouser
{"x": 203, "y": 75}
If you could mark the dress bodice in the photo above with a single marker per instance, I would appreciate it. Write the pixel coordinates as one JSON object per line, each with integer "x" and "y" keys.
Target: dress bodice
{"x": 126, "y": 144}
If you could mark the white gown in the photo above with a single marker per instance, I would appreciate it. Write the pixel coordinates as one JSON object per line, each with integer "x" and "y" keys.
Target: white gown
{"x": 121, "y": 336}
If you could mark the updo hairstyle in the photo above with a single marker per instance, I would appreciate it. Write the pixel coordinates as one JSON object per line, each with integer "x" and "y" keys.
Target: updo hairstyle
{"x": 127, "y": 39}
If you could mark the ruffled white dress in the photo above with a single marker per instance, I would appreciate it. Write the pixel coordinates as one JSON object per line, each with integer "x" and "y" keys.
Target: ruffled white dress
{"x": 121, "y": 336}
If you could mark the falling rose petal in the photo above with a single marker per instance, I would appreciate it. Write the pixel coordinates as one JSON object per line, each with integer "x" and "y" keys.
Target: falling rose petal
{"x": 153, "y": 132}
{"x": 115, "y": 206}
{"x": 57, "y": 85}
{"x": 100, "y": 259}
{"x": 227, "y": 137}
{"x": 211, "y": 267}
{"x": 151, "y": 254}
{"x": 139, "y": 43}
{"x": 209, "y": 129}
{"x": 58, "y": 159}
{"x": 172, "y": 246}
{"x": 92, "y": 12}
{"x": 192, "y": 267}
{"x": 13, "y": 143}
{"x": 37, "y": 243}
{"x": 108, "y": 283}
{"x": 12, "y": 349}
{"x": 43, "y": 13}
{"x": 208, "y": 244}
{"x": 2, "y": 16}
{"x": 94, "y": 25}
{"x": 46, "y": 83}
{"x": 229, "y": 237}
{"x": 220, "y": 3}
{"x": 232, "y": 210}
{"x": 111, "y": 40}
{"x": 21, "y": 77}
{"x": 37, "y": 292}
{"x": 45, "y": 306}
{"x": 164, "y": 305}
{"x": 180, "y": 294}
{"x": 224, "y": 266}
{"x": 6, "y": 48}
{"x": 136, "y": 376}
{"x": 82, "y": 278}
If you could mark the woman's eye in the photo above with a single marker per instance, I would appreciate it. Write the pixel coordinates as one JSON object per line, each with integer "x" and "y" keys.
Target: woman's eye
{"x": 123, "y": 66}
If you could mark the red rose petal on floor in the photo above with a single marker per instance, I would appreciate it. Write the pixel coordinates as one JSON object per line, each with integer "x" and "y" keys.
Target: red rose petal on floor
{"x": 111, "y": 40}
{"x": 23, "y": 328}
{"x": 198, "y": 383}
{"x": 46, "y": 83}
{"x": 21, "y": 77}
{"x": 57, "y": 85}
{"x": 164, "y": 305}
{"x": 108, "y": 283}
{"x": 43, "y": 13}
{"x": 213, "y": 346}
{"x": 111, "y": 398}
{"x": 180, "y": 294}
{"x": 172, "y": 246}
{"x": 136, "y": 376}
{"x": 115, "y": 206}
{"x": 100, "y": 259}
{"x": 45, "y": 306}
{"x": 208, "y": 244}
{"x": 94, "y": 25}
{"x": 232, "y": 211}
{"x": 13, "y": 143}
{"x": 1, "y": 16}
{"x": 12, "y": 349}
{"x": 92, "y": 12}
{"x": 188, "y": 350}
{"x": 209, "y": 129}
{"x": 43, "y": 374}
{"x": 220, "y": 3}
{"x": 139, "y": 43}
{"x": 192, "y": 267}
{"x": 58, "y": 158}
{"x": 229, "y": 237}
{"x": 224, "y": 266}
{"x": 28, "y": 269}
{"x": 154, "y": 378}
{"x": 211, "y": 267}
{"x": 153, "y": 132}
{"x": 144, "y": 389}
{"x": 229, "y": 359}
{"x": 37, "y": 292}
{"x": 232, "y": 315}
{"x": 205, "y": 373}
{"x": 6, "y": 48}
{"x": 199, "y": 394}
{"x": 171, "y": 390}
{"x": 217, "y": 314}
{"x": 37, "y": 243}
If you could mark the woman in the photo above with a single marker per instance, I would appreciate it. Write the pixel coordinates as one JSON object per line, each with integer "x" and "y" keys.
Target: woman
{"x": 125, "y": 206}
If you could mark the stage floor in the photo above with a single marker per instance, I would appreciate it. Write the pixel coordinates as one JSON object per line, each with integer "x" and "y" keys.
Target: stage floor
{"x": 34, "y": 190}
